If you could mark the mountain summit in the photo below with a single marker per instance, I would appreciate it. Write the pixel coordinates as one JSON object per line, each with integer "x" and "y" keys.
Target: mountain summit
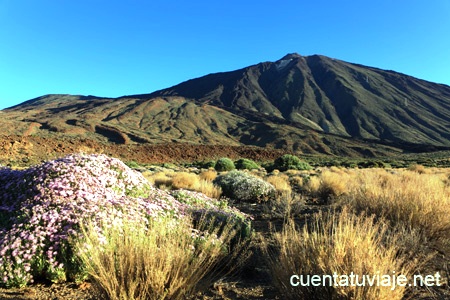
{"x": 301, "y": 103}
{"x": 331, "y": 96}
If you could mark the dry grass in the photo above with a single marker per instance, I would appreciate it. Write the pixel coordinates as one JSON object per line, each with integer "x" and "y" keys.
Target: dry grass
{"x": 338, "y": 244}
{"x": 208, "y": 175}
{"x": 185, "y": 180}
{"x": 158, "y": 262}
{"x": 209, "y": 189}
{"x": 158, "y": 179}
{"x": 297, "y": 181}
{"x": 291, "y": 173}
{"x": 419, "y": 169}
{"x": 280, "y": 182}
{"x": 332, "y": 184}
{"x": 313, "y": 185}
{"x": 285, "y": 205}
{"x": 408, "y": 199}
{"x": 193, "y": 182}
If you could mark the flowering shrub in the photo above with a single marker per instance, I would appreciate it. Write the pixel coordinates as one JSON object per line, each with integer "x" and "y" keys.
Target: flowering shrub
{"x": 245, "y": 187}
{"x": 42, "y": 206}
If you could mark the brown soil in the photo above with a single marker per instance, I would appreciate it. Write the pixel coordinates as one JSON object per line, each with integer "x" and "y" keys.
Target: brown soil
{"x": 22, "y": 151}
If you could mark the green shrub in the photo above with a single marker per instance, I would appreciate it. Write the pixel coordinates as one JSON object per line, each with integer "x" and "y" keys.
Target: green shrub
{"x": 132, "y": 164}
{"x": 290, "y": 162}
{"x": 245, "y": 187}
{"x": 224, "y": 164}
{"x": 209, "y": 164}
{"x": 246, "y": 164}
{"x": 373, "y": 164}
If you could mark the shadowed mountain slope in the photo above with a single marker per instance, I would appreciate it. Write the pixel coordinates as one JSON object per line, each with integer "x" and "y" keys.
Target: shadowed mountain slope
{"x": 311, "y": 104}
{"x": 331, "y": 96}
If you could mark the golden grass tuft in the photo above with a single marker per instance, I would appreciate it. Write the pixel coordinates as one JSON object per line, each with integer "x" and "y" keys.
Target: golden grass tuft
{"x": 208, "y": 175}
{"x": 281, "y": 183}
{"x": 158, "y": 179}
{"x": 409, "y": 199}
{"x": 297, "y": 181}
{"x": 313, "y": 184}
{"x": 185, "y": 180}
{"x": 335, "y": 243}
{"x": 208, "y": 188}
{"x": 161, "y": 261}
{"x": 418, "y": 168}
{"x": 332, "y": 183}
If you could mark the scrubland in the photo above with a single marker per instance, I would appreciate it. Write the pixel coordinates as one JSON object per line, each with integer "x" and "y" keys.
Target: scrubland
{"x": 186, "y": 232}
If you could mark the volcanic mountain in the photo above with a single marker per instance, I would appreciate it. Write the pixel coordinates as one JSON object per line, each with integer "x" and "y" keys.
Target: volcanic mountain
{"x": 305, "y": 104}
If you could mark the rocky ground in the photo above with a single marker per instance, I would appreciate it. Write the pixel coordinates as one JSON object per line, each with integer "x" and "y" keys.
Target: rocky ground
{"x": 18, "y": 150}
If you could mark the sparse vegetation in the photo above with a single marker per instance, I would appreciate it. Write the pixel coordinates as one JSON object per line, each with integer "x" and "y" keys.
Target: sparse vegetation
{"x": 406, "y": 199}
{"x": 290, "y": 162}
{"x": 337, "y": 243}
{"x": 382, "y": 211}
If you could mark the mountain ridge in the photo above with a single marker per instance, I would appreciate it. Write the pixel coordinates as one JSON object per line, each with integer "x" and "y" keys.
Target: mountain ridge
{"x": 308, "y": 104}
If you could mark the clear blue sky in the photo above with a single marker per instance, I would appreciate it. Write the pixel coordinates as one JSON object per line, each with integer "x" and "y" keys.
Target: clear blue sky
{"x": 113, "y": 48}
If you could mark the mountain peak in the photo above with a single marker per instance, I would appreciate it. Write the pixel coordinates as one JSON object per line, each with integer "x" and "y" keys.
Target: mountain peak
{"x": 285, "y": 60}
{"x": 291, "y": 56}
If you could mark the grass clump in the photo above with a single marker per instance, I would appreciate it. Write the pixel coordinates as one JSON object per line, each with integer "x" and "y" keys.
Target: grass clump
{"x": 208, "y": 175}
{"x": 159, "y": 179}
{"x": 242, "y": 186}
{"x": 280, "y": 182}
{"x": 335, "y": 244}
{"x": 290, "y": 162}
{"x": 406, "y": 199}
{"x": 224, "y": 164}
{"x": 185, "y": 180}
{"x": 165, "y": 259}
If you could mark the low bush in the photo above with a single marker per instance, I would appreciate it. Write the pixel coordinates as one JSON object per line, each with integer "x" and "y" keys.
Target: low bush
{"x": 417, "y": 168}
{"x": 242, "y": 186}
{"x": 132, "y": 164}
{"x": 215, "y": 213}
{"x": 224, "y": 164}
{"x": 246, "y": 164}
{"x": 290, "y": 162}
{"x": 208, "y": 164}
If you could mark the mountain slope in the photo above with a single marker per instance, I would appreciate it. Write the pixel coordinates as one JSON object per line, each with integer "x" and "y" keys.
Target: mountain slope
{"x": 310, "y": 104}
{"x": 331, "y": 96}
